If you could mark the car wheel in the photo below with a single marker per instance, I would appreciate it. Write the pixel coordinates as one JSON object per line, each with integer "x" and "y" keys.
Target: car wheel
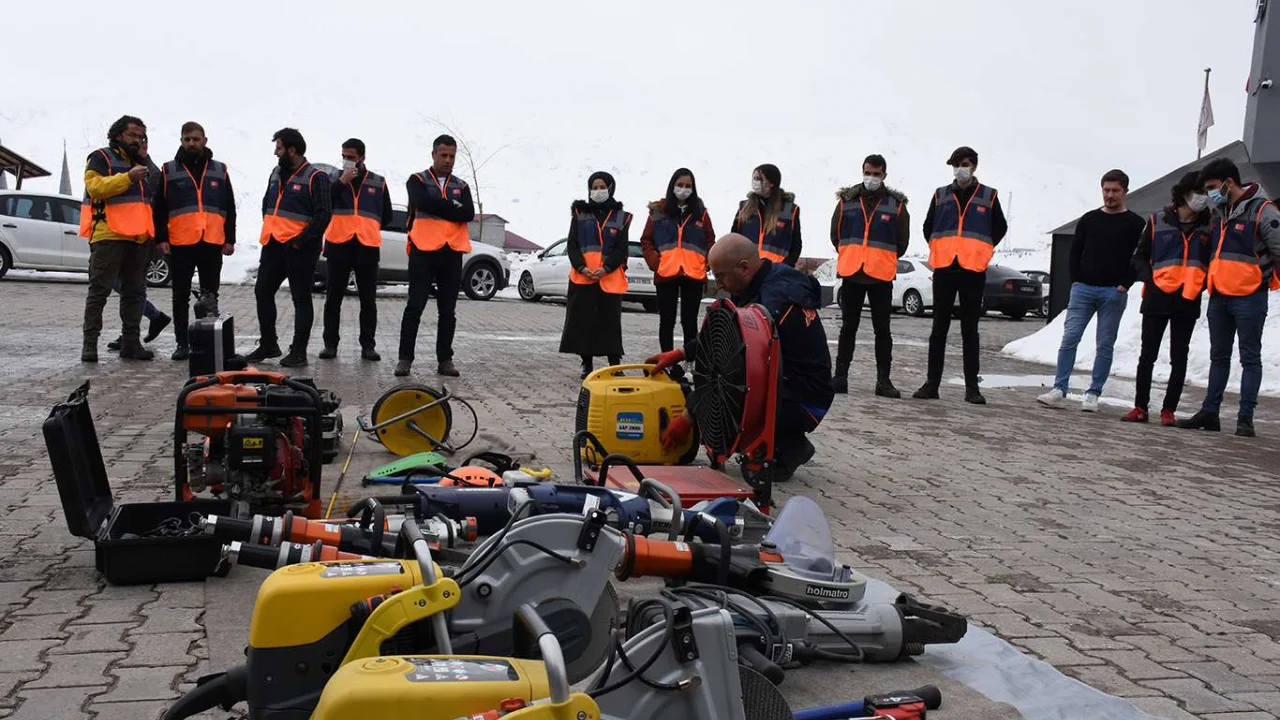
{"x": 1015, "y": 314}
{"x": 840, "y": 297}
{"x": 526, "y": 289}
{"x": 352, "y": 288}
{"x": 1044, "y": 308}
{"x": 158, "y": 272}
{"x": 6, "y": 261}
{"x": 481, "y": 282}
{"x": 913, "y": 304}
{"x": 650, "y": 306}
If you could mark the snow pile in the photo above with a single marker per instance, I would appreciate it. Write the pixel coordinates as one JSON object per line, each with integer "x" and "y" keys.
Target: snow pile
{"x": 1042, "y": 347}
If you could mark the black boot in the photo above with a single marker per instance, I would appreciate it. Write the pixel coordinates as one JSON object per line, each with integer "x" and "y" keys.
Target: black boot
{"x": 587, "y": 367}
{"x": 131, "y": 348}
{"x": 264, "y": 351}
{"x": 370, "y": 354}
{"x": 156, "y": 326}
{"x": 840, "y": 380}
{"x": 1244, "y": 426}
{"x": 885, "y": 388}
{"x": 927, "y": 391}
{"x": 182, "y": 353}
{"x": 328, "y": 352}
{"x": 1202, "y": 420}
{"x": 974, "y": 395}
{"x": 295, "y": 358}
{"x": 114, "y": 345}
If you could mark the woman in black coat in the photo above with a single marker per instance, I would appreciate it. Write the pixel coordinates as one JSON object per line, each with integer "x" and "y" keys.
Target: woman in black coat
{"x": 597, "y": 249}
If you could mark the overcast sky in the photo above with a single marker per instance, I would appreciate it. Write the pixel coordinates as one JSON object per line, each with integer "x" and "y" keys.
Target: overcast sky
{"x": 1051, "y": 94}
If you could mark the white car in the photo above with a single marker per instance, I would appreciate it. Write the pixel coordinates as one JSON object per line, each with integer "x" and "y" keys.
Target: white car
{"x": 912, "y": 288}
{"x": 549, "y": 276}
{"x": 485, "y": 270}
{"x": 41, "y": 231}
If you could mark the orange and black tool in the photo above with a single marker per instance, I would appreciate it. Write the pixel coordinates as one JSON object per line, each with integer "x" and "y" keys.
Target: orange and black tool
{"x": 371, "y": 535}
{"x": 287, "y": 553}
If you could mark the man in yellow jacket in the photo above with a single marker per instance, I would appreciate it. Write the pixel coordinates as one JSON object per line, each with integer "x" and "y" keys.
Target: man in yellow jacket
{"x": 115, "y": 217}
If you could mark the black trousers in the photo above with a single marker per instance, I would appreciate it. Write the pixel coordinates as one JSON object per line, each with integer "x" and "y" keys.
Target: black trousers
{"x": 947, "y": 286}
{"x": 444, "y": 268}
{"x": 297, "y": 264}
{"x": 687, "y": 293}
{"x": 184, "y": 261}
{"x": 794, "y": 423}
{"x": 1180, "y": 332}
{"x": 853, "y": 295}
{"x": 341, "y": 260}
{"x": 110, "y": 260}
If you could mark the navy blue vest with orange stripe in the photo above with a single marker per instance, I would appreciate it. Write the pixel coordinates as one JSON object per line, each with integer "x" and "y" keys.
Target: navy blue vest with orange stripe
{"x": 286, "y": 208}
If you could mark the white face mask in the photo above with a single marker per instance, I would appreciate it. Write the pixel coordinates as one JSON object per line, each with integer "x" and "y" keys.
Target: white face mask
{"x": 757, "y": 187}
{"x": 964, "y": 174}
{"x": 1197, "y": 202}
{"x": 682, "y": 193}
{"x": 599, "y": 196}
{"x": 871, "y": 182}
{"x": 348, "y": 164}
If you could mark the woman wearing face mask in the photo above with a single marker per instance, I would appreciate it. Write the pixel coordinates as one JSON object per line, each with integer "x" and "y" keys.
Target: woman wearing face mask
{"x": 597, "y": 249}
{"x": 770, "y": 216}
{"x": 1171, "y": 260}
{"x": 676, "y": 239}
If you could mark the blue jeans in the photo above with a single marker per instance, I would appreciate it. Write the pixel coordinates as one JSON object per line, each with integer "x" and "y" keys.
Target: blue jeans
{"x": 149, "y": 311}
{"x": 1108, "y": 304}
{"x": 1229, "y": 318}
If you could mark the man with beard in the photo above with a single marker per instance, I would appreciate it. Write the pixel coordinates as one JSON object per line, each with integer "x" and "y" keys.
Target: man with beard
{"x": 195, "y": 219}
{"x": 295, "y": 211}
{"x": 115, "y": 217}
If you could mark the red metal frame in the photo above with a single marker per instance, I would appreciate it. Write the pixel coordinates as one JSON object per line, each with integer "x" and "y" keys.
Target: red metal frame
{"x": 755, "y": 444}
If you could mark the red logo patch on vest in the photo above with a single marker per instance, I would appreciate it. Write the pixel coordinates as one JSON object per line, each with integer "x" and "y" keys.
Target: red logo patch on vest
{"x": 782, "y": 223}
{"x": 372, "y": 190}
{"x": 884, "y": 217}
{"x": 297, "y": 186}
{"x": 456, "y": 191}
{"x": 698, "y": 224}
{"x": 613, "y": 231}
{"x": 981, "y": 209}
{"x": 213, "y": 183}
{"x": 1239, "y": 227}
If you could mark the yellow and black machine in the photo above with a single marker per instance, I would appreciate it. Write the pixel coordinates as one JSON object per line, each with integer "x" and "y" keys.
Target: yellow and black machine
{"x": 627, "y": 408}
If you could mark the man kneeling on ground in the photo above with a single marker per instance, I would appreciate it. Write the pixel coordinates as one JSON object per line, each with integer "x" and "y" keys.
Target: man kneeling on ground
{"x": 792, "y": 299}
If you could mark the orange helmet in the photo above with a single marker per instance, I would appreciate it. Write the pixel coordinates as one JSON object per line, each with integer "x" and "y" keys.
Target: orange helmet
{"x": 472, "y": 476}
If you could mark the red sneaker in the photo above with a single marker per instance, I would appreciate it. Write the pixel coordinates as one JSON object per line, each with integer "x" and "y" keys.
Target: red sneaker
{"x": 1167, "y": 418}
{"x": 1135, "y": 415}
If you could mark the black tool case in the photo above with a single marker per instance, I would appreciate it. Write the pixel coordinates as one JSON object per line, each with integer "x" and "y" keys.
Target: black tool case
{"x": 213, "y": 346}
{"x": 81, "y": 476}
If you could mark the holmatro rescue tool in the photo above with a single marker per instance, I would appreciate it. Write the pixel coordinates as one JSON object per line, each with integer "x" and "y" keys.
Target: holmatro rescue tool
{"x": 310, "y": 619}
{"x": 682, "y": 666}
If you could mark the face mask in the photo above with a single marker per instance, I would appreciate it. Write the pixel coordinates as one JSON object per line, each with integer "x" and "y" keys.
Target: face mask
{"x": 348, "y": 164}
{"x": 682, "y": 193}
{"x": 964, "y": 174}
{"x": 757, "y": 187}
{"x": 599, "y": 196}
{"x": 1217, "y": 197}
{"x": 871, "y": 182}
{"x": 1197, "y": 202}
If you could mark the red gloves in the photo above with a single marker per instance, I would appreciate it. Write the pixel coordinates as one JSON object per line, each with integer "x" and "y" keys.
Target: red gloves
{"x": 662, "y": 361}
{"x": 678, "y": 431}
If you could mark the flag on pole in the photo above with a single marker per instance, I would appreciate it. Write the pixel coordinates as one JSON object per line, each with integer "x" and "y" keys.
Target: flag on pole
{"x": 1206, "y": 119}
{"x": 64, "y": 186}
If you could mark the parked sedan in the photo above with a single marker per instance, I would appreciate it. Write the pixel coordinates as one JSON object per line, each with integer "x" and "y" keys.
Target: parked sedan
{"x": 549, "y": 276}
{"x": 1010, "y": 292}
{"x": 1041, "y": 277}
{"x": 41, "y": 231}
{"x": 912, "y": 288}
{"x": 485, "y": 270}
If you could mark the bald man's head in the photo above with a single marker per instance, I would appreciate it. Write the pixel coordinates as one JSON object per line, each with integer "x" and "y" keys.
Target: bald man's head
{"x": 734, "y": 260}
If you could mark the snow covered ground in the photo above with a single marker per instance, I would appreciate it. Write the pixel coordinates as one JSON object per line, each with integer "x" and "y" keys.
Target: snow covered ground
{"x": 1042, "y": 347}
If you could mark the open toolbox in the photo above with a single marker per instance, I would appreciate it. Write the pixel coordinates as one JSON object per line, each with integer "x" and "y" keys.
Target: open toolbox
{"x": 134, "y": 543}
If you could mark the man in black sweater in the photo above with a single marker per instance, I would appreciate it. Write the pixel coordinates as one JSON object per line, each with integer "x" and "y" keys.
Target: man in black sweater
{"x": 1101, "y": 274}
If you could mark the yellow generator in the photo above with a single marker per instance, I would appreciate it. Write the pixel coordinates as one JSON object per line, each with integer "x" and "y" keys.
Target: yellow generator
{"x": 627, "y": 408}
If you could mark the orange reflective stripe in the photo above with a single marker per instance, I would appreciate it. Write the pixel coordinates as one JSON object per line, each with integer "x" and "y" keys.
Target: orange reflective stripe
{"x": 430, "y": 233}
{"x": 672, "y": 262}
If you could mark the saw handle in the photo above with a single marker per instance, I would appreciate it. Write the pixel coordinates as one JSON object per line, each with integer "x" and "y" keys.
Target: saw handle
{"x": 373, "y": 518}
{"x": 531, "y": 626}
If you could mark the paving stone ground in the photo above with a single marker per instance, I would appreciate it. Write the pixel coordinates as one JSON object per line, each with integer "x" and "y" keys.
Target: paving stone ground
{"x": 1143, "y": 561}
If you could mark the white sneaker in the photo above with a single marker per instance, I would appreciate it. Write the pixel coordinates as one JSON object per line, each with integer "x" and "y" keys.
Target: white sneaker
{"x": 1090, "y": 403}
{"x": 1053, "y": 398}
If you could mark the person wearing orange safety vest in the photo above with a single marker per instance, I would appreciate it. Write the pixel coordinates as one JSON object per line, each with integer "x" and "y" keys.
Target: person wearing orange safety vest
{"x": 1171, "y": 261}
{"x": 115, "y": 217}
{"x": 195, "y": 218}
{"x": 1244, "y": 265}
{"x": 676, "y": 240}
{"x": 870, "y": 229}
{"x": 352, "y": 242}
{"x": 963, "y": 226}
{"x": 295, "y": 211}
{"x": 440, "y": 207}
{"x": 771, "y": 217}
{"x": 598, "y": 252}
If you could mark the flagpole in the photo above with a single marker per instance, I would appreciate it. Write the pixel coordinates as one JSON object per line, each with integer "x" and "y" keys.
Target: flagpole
{"x": 1200, "y": 149}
